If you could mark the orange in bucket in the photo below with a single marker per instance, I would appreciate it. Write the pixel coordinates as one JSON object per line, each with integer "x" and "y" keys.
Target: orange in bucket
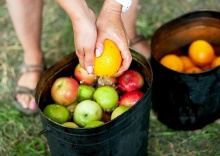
{"x": 193, "y": 69}
{"x": 215, "y": 62}
{"x": 201, "y": 52}
{"x": 186, "y": 61}
{"x": 172, "y": 62}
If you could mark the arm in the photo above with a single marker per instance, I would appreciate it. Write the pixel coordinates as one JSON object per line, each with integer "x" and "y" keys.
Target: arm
{"x": 85, "y": 32}
{"x": 109, "y": 26}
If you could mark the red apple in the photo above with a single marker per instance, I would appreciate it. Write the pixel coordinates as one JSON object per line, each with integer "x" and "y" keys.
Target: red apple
{"x": 83, "y": 77}
{"x": 130, "y": 98}
{"x": 130, "y": 80}
{"x": 64, "y": 90}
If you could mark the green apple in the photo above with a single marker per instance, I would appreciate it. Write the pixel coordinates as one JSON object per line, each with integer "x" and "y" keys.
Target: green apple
{"x": 93, "y": 124}
{"x": 85, "y": 92}
{"x": 87, "y": 111}
{"x": 118, "y": 111}
{"x": 57, "y": 113}
{"x": 107, "y": 97}
{"x": 70, "y": 125}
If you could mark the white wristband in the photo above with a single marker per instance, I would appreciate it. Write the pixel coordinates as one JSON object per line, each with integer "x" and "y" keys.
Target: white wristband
{"x": 125, "y": 4}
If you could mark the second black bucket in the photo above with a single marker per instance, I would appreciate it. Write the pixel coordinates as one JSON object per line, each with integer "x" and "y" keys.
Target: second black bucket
{"x": 125, "y": 135}
{"x": 186, "y": 101}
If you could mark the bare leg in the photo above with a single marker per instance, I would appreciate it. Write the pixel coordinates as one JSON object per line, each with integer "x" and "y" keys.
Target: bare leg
{"x": 129, "y": 20}
{"x": 26, "y": 16}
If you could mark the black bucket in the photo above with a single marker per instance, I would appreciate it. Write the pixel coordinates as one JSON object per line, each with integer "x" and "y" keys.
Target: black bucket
{"x": 186, "y": 101}
{"x": 125, "y": 135}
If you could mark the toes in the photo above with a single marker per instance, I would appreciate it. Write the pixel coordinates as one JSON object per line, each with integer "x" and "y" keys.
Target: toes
{"x": 27, "y": 101}
{"x": 32, "y": 104}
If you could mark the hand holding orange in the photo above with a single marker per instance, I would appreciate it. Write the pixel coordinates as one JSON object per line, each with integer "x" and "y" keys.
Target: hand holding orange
{"x": 109, "y": 62}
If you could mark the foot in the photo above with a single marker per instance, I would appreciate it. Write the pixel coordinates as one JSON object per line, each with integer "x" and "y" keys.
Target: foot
{"x": 29, "y": 76}
{"x": 142, "y": 45}
{"x": 28, "y": 80}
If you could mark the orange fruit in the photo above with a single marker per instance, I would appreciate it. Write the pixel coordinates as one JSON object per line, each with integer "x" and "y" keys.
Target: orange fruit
{"x": 193, "y": 69}
{"x": 172, "y": 62}
{"x": 109, "y": 62}
{"x": 207, "y": 67}
{"x": 186, "y": 61}
{"x": 201, "y": 52}
{"x": 215, "y": 62}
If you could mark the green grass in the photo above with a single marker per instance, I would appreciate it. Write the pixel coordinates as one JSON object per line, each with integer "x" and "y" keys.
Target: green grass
{"x": 18, "y": 132}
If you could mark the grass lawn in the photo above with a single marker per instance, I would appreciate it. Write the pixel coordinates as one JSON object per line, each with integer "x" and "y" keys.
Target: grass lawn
{"x": 18, "y": 132}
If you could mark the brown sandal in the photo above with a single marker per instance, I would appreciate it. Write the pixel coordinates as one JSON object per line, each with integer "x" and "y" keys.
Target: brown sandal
{"x": 24, "y": 90}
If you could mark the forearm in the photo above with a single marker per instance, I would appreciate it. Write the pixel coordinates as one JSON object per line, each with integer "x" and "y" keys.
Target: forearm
{"x": 76, "y": 9}
{"x": 111, "y": 6}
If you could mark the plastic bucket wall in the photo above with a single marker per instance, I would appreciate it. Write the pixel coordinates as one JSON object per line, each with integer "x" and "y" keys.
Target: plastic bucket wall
{"x": 125, "y": 135}
{"x": 186, "y": 101}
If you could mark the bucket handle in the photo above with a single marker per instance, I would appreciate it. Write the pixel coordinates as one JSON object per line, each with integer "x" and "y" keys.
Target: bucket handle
{"x": 47, "y": 129}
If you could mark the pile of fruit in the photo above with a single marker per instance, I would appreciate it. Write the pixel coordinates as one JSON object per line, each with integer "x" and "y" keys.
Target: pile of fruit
{"x": 200, "y": 56}
{"x": 89, "y": 100}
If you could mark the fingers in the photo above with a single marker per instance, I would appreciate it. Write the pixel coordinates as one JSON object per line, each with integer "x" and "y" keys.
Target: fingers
{"x": 80, "y": 55}
{"x": 86, "y": 59}
{"x": 89, "y": 60}
{"x": 99, "y": 45}
{"x": 127, "y": 58}
{"x": 99, "y": 48}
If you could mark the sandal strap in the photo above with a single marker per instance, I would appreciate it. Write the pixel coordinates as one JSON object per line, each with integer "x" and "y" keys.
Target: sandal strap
{"x": 24, "y": 90}
{"x": 137, "y": 39}
{"x": 32, "y": 68}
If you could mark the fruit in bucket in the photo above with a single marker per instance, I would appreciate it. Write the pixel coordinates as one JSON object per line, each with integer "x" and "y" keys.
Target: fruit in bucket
{"x": 83, "y": 77}
{"x": 187, "y": 62}
{"x": 72, "y": 107}
{"x": 85, "y": 92}
{"x": 109, "y": 62}
{"x": 107, "y": 81}
{"x": 130, "y": 80}
{"x": 200, "y": 56}
{"x": 98, "y": 97}
{"x": 57, "y": 113}
{"x": 87, "y": 111}
{"x": 216, "y": 62}
{"x": 107, "y": 97}
{"x": 193, "y": 69}
{"x": 64, "y": 90}
{"x": 93, "y": 124}
{"x": 172, "y": 62}
{"x": 130, "y": 98}
{"x": 201, "y": 52}
{"x": 118, "y": 111}
{"x": 70, "y": 125}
